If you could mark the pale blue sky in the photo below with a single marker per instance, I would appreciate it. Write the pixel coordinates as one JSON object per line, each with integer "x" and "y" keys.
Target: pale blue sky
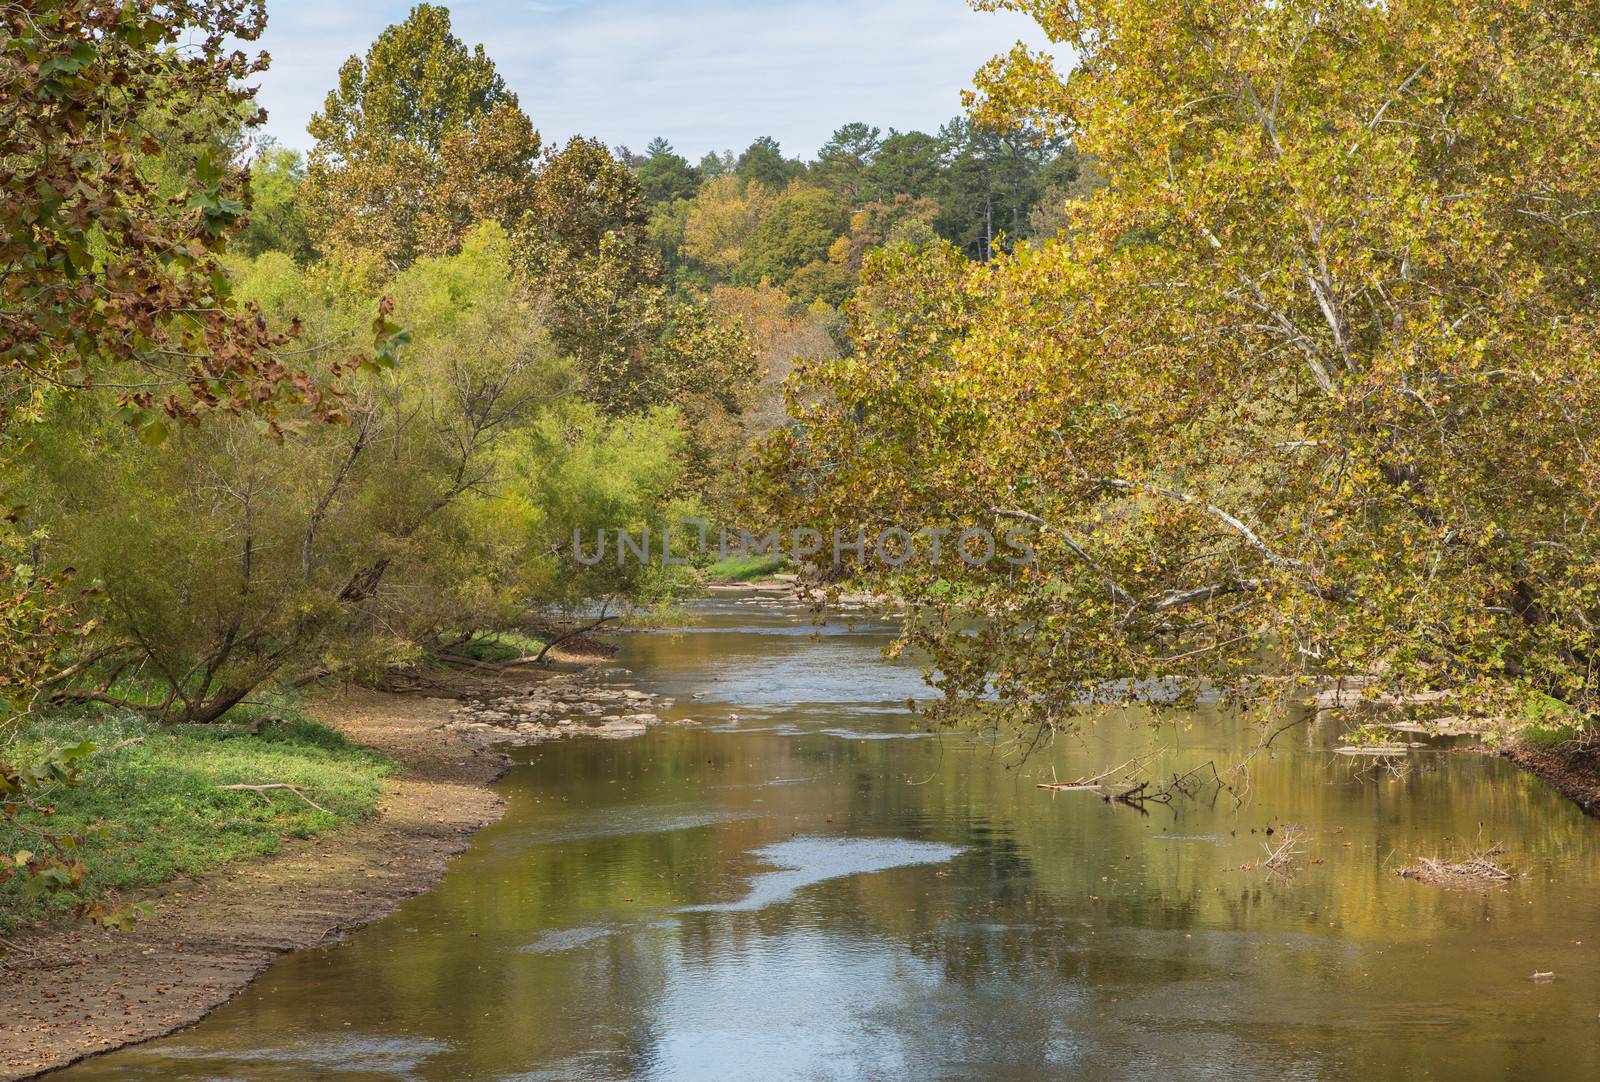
{"x": 707, "y": 74}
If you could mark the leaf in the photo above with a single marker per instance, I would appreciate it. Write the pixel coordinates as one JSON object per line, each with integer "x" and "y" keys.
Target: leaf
{"x": 154, "y": 433}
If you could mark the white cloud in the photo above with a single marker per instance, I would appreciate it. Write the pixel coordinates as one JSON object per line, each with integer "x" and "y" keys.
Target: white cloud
{"x": 707, "y": 74}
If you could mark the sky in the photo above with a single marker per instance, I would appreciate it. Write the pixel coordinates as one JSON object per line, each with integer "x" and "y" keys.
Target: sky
{"x": 706, "y": 74}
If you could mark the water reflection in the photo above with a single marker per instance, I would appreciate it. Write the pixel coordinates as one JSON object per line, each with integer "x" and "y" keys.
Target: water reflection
{"x": 802, "y": 862}
{"x": 776, "y": 895}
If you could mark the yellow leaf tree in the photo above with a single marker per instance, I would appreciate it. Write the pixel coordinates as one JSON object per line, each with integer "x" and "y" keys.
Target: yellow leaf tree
{"x": 1307, "y": 390}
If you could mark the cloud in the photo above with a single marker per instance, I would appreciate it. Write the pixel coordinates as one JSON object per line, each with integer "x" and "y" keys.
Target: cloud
{"x": 707, "y": 74}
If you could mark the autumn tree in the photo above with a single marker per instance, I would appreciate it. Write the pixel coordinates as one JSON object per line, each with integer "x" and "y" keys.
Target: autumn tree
{"x": 796, "y": 230}
{"x": 585, "y": 246}
{"x": 117, "y": 200}
{"x": 722, "y": 220}
{"x": 1309, "y": 392}
{"x": 418, "y": 142}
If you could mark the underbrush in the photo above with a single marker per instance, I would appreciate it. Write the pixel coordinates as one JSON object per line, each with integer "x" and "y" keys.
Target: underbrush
{"x": 150, "y": 804}
{"x": 1549, "y": 723}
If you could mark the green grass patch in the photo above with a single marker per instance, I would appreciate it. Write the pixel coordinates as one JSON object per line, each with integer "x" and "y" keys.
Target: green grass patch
{"x": 499, "y": 646}
{"x": 744, "y": 568}
{"x": 150, "y": 804}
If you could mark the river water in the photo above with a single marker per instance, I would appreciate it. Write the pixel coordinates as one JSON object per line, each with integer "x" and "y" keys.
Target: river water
{"x": 805, "y": 885}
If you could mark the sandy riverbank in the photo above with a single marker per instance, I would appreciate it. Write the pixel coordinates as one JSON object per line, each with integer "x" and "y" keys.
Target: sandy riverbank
{"x": 74, "y": 990}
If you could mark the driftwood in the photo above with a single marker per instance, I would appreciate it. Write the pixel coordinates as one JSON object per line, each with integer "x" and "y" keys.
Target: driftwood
{"x": 262, "y": 790}
{"x": 1472, "y": 871}
{"x": 1131, "y": 790}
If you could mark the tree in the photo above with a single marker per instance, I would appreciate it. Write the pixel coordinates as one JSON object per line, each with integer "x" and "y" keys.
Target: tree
{"x": 1310, "y": 392}
{"x": 798, "y": 229}
{"x": 580, "y": 196}
{"x": 1068, "y": 180}
{"x": 585, "y": 246}
{"x": 844, "y": 159}
{"x": 665, "y": 176}
{"x": 714, "y": 165}
{"x": 116, "y": 201}
{"x": 352, "y": 549}
{"x": 763, "y": 163}
{"x": 277, "y": 223}
{"x": 902, "y": 220}
{"x": 419, "y": 141}
{"x": 994, "y": 180}
{"x": 721, "y": 222}
{"x": 102, "y": 269}
{"x": 906, "y": 163}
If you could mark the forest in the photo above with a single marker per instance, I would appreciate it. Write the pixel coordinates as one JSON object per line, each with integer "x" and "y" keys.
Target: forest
{"x": 1270, "y": 327}
{"x": 341, "y": 415}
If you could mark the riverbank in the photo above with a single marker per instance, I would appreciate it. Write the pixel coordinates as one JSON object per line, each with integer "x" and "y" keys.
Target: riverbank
{"x": 75, "y": 990}
{"x": 1572, "y": 772}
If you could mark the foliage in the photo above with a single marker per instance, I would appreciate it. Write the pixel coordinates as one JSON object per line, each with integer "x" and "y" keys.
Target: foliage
{"x": 358, "y": 549}
{"x": 118, "y": 196}
{"x": 277, "y": 222}
{"x": 797, "y": 229}
{"x": 420, "y": 141}
{"x": 763, "y": 163}
{"x": 1309, "y": 390}
{"x": 781, "y": 330}
{"x": 844, "y": 159}
{"x": 665, "y": 176}
{"x": 101, "y": 269}
{"x": 722, "y": 221}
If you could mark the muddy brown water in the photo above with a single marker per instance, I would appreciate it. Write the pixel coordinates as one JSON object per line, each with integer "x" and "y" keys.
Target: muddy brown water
{"x": 806, "y": 886}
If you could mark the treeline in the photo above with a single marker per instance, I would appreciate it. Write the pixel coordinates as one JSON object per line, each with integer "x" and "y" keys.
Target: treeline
{"x": 451, "y": 349}
{"x": 272, "y": 417}
{"x": 751, "y": 219}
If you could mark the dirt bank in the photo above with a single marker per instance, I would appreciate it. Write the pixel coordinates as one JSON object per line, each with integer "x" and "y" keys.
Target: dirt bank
{"x": 73, "y": 990}
{"x": 1576, "y": 773}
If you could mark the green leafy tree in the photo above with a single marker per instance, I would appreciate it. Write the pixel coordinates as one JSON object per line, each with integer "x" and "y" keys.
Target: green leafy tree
{"x": 117, "y": 199}
{"x": 843, "y": 160}
{"x": 715, "y": 164}
{"x": 995, "y": 177}
{"x": 243, "y": 562}
{"x": 800, "y": 227}
{"x": 906, "y": 163}
{"x": 763, "y": 163}
{"x": 277, "y": 223}
{"x": 665, "y": 176}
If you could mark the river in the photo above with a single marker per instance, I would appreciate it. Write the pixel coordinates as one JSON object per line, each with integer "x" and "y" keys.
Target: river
{"x": 805, "y": 885}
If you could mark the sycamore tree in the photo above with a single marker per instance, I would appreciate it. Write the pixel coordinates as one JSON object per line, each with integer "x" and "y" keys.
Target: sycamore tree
{"x": 117, "y": 202}
{"x": 419, "y": 142}
{"x": 1307, "y": 390}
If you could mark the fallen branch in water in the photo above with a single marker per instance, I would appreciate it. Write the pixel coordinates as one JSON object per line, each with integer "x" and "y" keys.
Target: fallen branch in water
{"x": 262, "y": 790}
{"x": 1280, "y": 857}
{"x": 1132, "y": 790}
{"x": 1475, "y": 870}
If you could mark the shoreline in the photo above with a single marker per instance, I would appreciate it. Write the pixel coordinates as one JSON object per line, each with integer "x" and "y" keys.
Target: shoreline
{"x": 1575, "y": 775}
{"x": 75, "y": 990}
